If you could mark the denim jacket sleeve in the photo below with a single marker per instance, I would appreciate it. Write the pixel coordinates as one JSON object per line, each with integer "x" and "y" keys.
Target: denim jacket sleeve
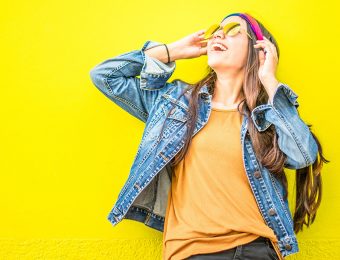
{"x": 294, "y": 136}
{"x": 133, "y": 80}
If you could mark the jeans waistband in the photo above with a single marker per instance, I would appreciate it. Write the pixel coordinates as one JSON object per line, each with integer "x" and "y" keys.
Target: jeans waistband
{"x": 262, "y": 239}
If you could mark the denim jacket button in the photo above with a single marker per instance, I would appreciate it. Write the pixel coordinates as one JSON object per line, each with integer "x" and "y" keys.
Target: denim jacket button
{"x": 205, "y": 96}
{"x": 272, "y": 212}
{"x": 257, "y": 174}
{"x": 136, "y": 185}
{"x": 288, "y": 246}
{"x": 115, "y": 211}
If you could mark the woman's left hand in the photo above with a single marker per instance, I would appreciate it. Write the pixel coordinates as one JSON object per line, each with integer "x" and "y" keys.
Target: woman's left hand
{"x": 268, "y": 61}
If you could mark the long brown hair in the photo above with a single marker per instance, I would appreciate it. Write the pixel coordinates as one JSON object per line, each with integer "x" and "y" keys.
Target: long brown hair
{"x": 308, "y": 179}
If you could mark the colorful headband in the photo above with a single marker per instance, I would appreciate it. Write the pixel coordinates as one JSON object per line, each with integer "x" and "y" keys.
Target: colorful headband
{"x": 251, "y": 21}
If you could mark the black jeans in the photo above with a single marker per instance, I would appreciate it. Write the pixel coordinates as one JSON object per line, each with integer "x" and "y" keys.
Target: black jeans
{"x": 259, "y": 249}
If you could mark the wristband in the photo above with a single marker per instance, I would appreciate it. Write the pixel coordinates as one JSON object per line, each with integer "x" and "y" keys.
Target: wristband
{"x": 166, "y": 47}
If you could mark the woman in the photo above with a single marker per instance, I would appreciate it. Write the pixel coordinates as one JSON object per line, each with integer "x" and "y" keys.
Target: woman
{"x": 209, "y": 168}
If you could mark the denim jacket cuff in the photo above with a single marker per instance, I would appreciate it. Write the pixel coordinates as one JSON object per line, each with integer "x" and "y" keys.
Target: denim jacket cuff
{"x": 284, "y": 98}
{"x": 154, "y": 73}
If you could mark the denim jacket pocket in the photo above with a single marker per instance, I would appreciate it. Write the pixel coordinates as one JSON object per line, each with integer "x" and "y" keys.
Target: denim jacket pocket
{"x": 173, "y": 118}
{"x": 175, "y": 112}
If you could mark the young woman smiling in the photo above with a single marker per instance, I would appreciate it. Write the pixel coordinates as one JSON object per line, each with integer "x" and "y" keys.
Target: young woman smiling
{"x": 227, "y": 139}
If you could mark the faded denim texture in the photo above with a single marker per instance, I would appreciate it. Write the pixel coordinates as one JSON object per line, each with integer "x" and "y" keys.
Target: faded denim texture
{"x": 138, "y": 84}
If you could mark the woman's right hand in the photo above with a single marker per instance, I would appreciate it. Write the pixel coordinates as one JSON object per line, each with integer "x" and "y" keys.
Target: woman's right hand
{"x": 190, "y": 46}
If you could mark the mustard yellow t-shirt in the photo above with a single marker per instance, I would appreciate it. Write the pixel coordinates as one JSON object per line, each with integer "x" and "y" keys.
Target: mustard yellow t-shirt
{"x": 211, "y": 206}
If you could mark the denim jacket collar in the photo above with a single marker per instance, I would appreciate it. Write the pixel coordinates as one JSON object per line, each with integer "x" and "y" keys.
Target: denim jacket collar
{"x": 150, "y": 97}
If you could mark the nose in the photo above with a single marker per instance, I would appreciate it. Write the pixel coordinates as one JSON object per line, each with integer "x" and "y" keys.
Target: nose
{"x": 219, "y": 33}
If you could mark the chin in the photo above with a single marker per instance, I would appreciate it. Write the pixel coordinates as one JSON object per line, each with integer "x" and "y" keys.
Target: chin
{"x": 216, "y": 63}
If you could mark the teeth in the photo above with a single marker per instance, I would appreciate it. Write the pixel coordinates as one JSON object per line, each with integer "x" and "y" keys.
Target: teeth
{"x": 220, "y": 46}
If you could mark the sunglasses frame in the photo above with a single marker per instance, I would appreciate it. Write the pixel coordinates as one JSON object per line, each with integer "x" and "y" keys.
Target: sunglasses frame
{"x": 226, "y": 29}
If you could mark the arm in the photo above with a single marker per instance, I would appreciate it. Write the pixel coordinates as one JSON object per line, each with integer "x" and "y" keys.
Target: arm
{"x": 294, "y": 136}
{"x": 117, "y": 77}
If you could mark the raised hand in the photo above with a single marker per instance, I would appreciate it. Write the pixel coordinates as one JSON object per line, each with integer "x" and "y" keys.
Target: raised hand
{"x": 192, "y": 45}
{"x": 268, "y": 61}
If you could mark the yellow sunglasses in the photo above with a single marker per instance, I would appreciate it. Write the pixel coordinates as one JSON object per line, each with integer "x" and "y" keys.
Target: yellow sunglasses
{"x": 230, "y": 29}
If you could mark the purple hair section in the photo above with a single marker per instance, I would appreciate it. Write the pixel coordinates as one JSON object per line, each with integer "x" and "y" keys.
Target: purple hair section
{"x": 251, "y": 21}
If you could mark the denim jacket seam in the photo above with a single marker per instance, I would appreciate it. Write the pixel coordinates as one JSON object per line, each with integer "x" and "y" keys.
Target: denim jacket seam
{"x": 132, "y": 105}
{"x": 151, "y": 89}
{"x": 268, "y": 219}
{"x": 108, "y": 76}
{"x": 144, "y": 48}
{"x": 289, "y": 94}
{"x": 143, "y": 172}
{"x": 117, "y": 68}
{"x": 143, "y": 159}
{"x": 163, "y": 74}
{"x": 287, "y": 124}
{"x": 255, "y": 114}
{"x": 279, "y": 195}
{"x": 158, "y": 168}
{"x": 145, "y": 45}
{"x": 175, "y": 101}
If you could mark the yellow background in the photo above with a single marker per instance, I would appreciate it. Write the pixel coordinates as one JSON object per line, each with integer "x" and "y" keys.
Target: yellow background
{"x": 66, "y": 150}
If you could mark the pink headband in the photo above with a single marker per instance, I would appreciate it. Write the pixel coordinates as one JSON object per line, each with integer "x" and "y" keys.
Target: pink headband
{"x": 251, "y": 21}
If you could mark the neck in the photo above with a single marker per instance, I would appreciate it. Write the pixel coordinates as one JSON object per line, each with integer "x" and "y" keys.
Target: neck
{"x": 228, "y": 90}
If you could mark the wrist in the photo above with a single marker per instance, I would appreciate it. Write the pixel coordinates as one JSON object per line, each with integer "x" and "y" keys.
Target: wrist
{"x": 270, "y": 82}
{"x": 174, "y": 51}
{"x": 271, "y": 85}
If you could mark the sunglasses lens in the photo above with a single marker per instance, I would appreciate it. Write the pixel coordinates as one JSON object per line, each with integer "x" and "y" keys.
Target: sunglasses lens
{"x": 230, "y": 29}
{"x": 233, "y": 31}
{"x": 213, "y": 28}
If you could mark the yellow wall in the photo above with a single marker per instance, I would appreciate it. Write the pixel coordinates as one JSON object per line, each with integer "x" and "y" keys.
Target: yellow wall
{"x": 66, "y": 150}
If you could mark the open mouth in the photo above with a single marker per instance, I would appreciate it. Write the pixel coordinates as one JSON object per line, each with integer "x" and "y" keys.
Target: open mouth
{"x": 218, "y": 47}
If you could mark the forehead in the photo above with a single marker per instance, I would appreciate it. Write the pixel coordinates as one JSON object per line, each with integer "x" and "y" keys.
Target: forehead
{"x": 234, "y": 19}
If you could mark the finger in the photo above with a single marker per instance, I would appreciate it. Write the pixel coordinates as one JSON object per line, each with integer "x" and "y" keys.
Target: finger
{"x": 262, "y": 52}
{"x": 201, "y": 31}
{"x": 271, "y": 45}
{"x": 266, "y": 49}
{"x": 273, "y": 49}
{"x": 203, "y": 44}
{"x": 200, "y": 34}
{"x": 203, "y": 50}
{"x": 265, "y": 39}
{"x": 202, "y": 40}
{"x": 262, "y": 57}
{"x": 264, "y": 46}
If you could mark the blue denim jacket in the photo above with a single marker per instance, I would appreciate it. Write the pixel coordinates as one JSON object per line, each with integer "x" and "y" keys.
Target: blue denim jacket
{"x": 138, "y": 84}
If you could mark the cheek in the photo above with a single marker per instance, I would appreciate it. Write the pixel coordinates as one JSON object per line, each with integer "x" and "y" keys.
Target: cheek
{"x": 240, "y": 52}
{"x": 240, "y": 46}
{"x": 239, "y": 55}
